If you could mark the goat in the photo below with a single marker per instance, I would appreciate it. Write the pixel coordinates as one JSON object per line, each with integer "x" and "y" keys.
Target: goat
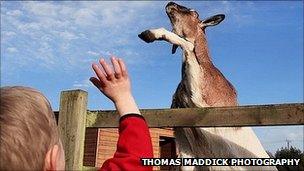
{"x": 203, "y": 85}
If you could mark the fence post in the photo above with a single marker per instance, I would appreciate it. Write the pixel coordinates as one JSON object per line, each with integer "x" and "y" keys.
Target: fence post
{"x": 72, "y": 119}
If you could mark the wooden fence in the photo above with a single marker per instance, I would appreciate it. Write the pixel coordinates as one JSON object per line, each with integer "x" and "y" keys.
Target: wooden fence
{"x": 74, "y": 118}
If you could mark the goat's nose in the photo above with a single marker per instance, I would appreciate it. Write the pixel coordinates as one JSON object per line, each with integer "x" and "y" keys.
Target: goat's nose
{"x": 170, "y": 4}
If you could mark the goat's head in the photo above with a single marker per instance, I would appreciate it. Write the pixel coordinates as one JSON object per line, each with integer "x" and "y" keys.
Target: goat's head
{"x": 186, "y": 22}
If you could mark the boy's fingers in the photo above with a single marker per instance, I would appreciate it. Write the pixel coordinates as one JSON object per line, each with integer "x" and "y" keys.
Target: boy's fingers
{"x": 99, "y": 73}
{"x": 116, "y": 67}
{"x": 107, "y": 69}
{"x": 96, "y": 82}
{"x": 123, "y": 67}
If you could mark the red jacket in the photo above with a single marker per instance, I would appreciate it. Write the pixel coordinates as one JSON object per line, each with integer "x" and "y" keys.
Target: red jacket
{"x": 134, "y": 142}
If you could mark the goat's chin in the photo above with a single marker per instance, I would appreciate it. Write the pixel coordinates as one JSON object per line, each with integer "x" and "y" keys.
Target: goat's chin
{"x": 178, "y": 32}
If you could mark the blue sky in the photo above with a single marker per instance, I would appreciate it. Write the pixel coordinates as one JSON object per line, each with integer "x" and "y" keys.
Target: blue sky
{"x": 258, "y": 47}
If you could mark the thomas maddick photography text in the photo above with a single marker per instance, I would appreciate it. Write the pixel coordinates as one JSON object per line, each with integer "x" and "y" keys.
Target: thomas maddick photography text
{"x": 219, "y": 162}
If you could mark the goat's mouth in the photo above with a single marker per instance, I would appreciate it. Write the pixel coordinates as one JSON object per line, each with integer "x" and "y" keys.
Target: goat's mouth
{"x": 171, "y": 7}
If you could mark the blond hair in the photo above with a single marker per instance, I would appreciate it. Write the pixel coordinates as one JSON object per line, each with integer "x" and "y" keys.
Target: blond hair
{"x": 28, "y": 129}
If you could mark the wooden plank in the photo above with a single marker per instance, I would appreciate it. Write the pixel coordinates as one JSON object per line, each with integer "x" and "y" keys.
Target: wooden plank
{"x": 72, "y": 119}
{"x": 255, "y": 115}
{"x": 90, "y": 146}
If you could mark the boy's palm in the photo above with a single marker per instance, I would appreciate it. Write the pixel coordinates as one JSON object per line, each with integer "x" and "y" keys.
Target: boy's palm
{"x": 113, "y": 84}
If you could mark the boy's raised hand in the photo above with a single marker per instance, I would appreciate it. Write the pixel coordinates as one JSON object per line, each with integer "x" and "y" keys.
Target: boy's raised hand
{"x": 115, "y": 84}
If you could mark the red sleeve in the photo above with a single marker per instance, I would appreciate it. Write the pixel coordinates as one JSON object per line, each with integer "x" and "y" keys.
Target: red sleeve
{"x": 134, "y": 142}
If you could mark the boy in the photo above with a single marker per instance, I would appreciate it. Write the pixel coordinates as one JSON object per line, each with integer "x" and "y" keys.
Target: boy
{"x": 29, "y": 135}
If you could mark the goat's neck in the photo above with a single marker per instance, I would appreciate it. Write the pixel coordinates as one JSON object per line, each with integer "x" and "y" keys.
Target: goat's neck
{"x": 198, "y": 59}
{"x": 195, "y": 70}
{"x": 201, "y": 49}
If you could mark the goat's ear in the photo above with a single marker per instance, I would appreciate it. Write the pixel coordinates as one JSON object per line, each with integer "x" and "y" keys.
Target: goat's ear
{"x": 212, "y": 21}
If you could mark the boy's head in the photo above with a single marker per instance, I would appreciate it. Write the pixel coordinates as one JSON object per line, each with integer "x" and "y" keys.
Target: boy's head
{"x": 29, "y": 136}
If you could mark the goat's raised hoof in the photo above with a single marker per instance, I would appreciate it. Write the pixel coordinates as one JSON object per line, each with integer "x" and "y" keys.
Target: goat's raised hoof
{"x": 147, "y": 36}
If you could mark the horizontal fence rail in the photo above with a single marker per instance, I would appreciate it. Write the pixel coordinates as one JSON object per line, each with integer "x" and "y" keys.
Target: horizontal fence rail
{"x": 255, "y": 115}
{"x": 74, "y": 118}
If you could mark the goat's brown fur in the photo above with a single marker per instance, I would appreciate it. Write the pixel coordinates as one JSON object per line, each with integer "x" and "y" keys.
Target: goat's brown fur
{"x": 203, "y": 85}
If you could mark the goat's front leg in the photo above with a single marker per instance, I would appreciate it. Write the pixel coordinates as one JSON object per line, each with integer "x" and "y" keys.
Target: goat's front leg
{"x": 163, "y": 34}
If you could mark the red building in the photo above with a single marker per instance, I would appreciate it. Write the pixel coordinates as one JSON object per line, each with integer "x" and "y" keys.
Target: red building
{"x": 100, "y": 144}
